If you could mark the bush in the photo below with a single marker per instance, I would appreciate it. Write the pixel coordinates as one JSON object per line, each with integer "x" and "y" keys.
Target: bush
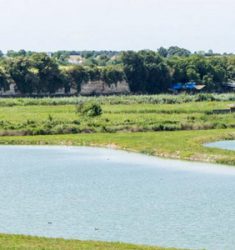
{"x": 89, "y": 109}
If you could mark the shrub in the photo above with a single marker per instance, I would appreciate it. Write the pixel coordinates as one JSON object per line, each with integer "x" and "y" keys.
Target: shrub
{"x": 90, "y": 109}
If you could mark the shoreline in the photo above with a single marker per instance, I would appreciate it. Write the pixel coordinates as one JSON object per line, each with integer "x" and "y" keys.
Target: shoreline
{"x": 22, "y": 242}
{"x": 151, "y": 161}
{"x": 134, "y": 142}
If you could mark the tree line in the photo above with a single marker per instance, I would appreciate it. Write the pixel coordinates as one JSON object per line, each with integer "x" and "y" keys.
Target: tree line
{"x": 145, "y": 71}
{"x": 148, "y": 72}
{"x": 39, "y": 73}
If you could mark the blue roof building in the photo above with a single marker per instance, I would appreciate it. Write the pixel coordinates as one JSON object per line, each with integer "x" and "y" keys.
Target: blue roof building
{"x": 186, "y": 86}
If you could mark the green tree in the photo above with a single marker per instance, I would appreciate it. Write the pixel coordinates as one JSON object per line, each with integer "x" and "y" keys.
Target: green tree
{"x": 20, "y": 71}
{"x": 146, "y": 72}
{"x": 163, "y": 52}
{"x": 134, "y": 70}
{"x": 112, "y": 74}
{"x": 192, "y": 74}
{"x": 4, "y": 83}
{"x": 177, "y": 51}
{"x": 49, "y": 75}
{"x": 77, "y": 75}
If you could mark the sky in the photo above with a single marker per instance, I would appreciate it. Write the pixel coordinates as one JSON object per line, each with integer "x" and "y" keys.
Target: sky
{"x": 50, "y": 25}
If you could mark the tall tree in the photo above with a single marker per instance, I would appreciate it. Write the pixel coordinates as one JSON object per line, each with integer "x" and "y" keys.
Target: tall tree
{"x": 50, "y": 77}
{"x": 20, "y": 71}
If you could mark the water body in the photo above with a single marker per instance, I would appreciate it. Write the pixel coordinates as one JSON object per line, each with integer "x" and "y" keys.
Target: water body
{"x": 229, "y": 145}
{"x": 102, "y": 194}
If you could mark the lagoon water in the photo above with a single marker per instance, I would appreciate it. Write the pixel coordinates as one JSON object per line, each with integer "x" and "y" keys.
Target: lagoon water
{"x": 102, "y": 194}
{"x": 229, "y": 145}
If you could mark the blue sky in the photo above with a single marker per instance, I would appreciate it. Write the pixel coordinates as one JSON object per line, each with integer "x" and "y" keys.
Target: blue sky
{"x": 49, "y": 25}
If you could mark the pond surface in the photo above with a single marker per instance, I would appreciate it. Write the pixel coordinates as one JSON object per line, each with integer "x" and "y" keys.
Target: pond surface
{"x": 230, "y": 145}
{"x": 102, "y": 194}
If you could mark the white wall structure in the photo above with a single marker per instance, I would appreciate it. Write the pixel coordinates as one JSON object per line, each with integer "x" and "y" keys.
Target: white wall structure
{"x": 102, "y": 88}
{"x": 10, "y": 92}
{"x": 89, "y": 88}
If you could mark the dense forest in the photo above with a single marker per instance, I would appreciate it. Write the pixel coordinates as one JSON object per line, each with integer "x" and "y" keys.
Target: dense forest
{"x": 145, "y": 71}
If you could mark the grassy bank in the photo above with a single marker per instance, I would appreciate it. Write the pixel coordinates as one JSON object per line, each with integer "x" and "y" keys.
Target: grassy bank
{"x": 17, "y": 242}
{"x": 186, "y": 145}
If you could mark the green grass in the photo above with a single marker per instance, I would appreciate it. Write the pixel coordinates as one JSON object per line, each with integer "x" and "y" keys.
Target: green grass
{"x": 137, "y": 117}
{"x": 135, "y": 99}
{"x": 18, "y": 242}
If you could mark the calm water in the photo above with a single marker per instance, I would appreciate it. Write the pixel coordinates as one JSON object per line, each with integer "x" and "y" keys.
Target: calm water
{"x": 100, "y": 194}
{"x": 230, "y": 145}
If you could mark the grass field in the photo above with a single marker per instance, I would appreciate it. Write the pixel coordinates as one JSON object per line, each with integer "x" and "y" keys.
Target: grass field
{"x": 137, "y": 117}
{"x": 14, "y": 242}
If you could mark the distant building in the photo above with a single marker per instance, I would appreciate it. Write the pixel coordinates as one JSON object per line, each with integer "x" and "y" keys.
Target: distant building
{"x": 189, "y": 86}
{"x": 75, "y": 59}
